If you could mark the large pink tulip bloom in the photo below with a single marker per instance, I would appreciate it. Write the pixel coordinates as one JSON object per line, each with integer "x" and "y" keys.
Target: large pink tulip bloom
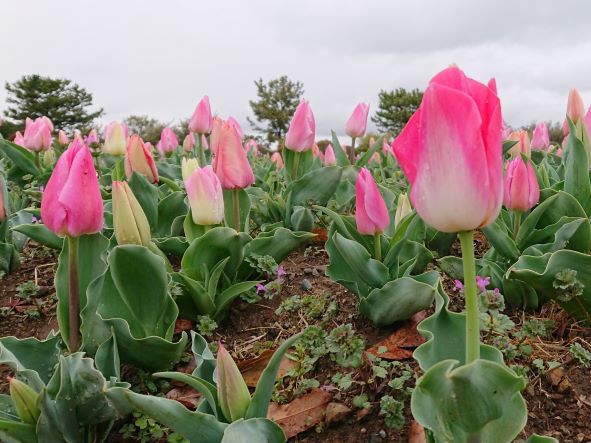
{"x": 37, "y": 136}
{"x": 540, "y": 138}
{"x": 302, "y": 129}
{"x": 371, "y": 213}
{"x": 522, "y": 191}
{"x": 451, "y": 152}
{"x": 204, "y": 192}
{"x": 139, "y": 159}
{"x": 357, "y": 123}
{"x": 71, "y": 203}
{"x": 235, "y": 123}
{"x": 231, "y": 163}
{"x": 201, "y": 121}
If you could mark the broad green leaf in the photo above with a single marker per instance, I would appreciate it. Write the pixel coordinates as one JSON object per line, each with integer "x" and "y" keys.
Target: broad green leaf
{"x": 317, "y": 186}
{"x": 339, "y": 152}
{"x": 224, "y": 299}
{"x": 205, "y": 388}
{"x": 499, "y": 237}
{"x": 170, "y": 208}
{"x": 107, "y": 359}
{"x": 576, "y": 178}
{"x": 40, "y": 234}
{"x": 254, "y": 429}
{"x": 366, "y": 157}
{"x": 147, "y": 196}
{"x": 205, "y": 361}
{"x": 22, "y": 159}
{"x": 17, "y": 432}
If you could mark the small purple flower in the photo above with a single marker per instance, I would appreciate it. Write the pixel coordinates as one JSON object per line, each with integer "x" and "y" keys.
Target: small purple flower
{"x": 458, "y": 285}
{"x": 482, "y": 283}
{"x": 34, "y": 219}
{"x": 280, "y": 272}
{"x": 261, "y": 288}
{"x": 41, "y": 188}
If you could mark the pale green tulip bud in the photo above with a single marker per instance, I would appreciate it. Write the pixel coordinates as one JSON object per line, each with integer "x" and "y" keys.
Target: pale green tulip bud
{"x": 187, "y": 167}
{"x": 403, "y": 208}
{"x": 129, "y": 220}
{"x": 233, "y": 394}
{"x": 25, "y": 401}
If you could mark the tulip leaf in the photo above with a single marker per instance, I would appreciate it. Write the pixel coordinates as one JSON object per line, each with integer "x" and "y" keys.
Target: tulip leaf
{"x": 9, "y": 258}
{"x": 199, "y": 296}
{"x": 40, "y": 234}
{"x": 170, "y": 208}
{"x": 107, "y": 358}
{"x": 254, "y": 429}
{"x": 317, "y": 186}
{"x": 17, "y": 432}
{"x": 339, "y": 152}
{"x": 22, "y": 159}
{"x": 367, "y": 155}
{"x": 499, "y": 237}
{"x": 205, "y": 388}
{"x": 508, "y": 144}
{"x": 172, "y": 245}
{"x": 535, "y": 438}
{"x": 147, "y": 195}
{"x": 302, "y": 219}
{"x": 224, "y": 299}
{"x": 480, "y": 402}
{"x": 191, "y": 229}
{"x": 520, "y": 294}
{"x": 245, "y": 205}
{"x": 304, "y": 161}
{"x": 576, "y": 176}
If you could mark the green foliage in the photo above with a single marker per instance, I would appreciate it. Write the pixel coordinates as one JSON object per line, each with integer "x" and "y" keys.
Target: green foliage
{"x": 63, "y": 101}
{"x": 147, "y": 127}
{"x": 277, "y": 100}
{"x": 345, "y": 347}
{"x": 393, "y": 411}
{"x": 581, "y": 354}
{"x": 395, "y": 109}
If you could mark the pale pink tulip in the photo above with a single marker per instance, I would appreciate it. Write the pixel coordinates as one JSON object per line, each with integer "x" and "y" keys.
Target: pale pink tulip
{"x": 62, "y": 138}
{"x": 235, "y": 123}
{"x": 201, "y": 120}
{"x": 92, "y": 138}
{"x": 523, "y": 146}
{"x": 371, "y": 213}
{"x": 19, "y": 139}
{"x": 451, "y": 153}
{"x": 315, "y": 150}
{"x": 506, "y": 130}
{"x": 71, "y": 203}
{"x": 189, "y": 142}
{"x": 541, "y": 138}
{"x": 37, "y": 135}
{"x": 139, "y": 159}
{"x": 302, "y": 129}
{"x": 215, "y": 134}
{"x": 522, "y": 191}
{"x": 168, "y": 142}
{"x": 357, "y": 123}
{"x": 329, "y": 157}
{"x": 204, "y": 192}
{"x": 575, "y": 109}
{"x": 230, "y": 162}
{"x": 277, "y": 159}
{"x": 116, "y": 135}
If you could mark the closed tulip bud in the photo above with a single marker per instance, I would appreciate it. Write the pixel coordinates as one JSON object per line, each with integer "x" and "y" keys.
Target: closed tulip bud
{"x": 403, "y": 208}
{"x": 386, "y": 148}
{"x": 149, "y": 146}
{"x": 62, "y": 138}
{"x": 92, "y": 138}
{"x": 315, "y": 150}
{"x": 541, "y": 138}
{"x": 37, "y": 135}
{"x": 277, "y": 159}
{"x": 204, "y": 192}
{"x": 189, "y": 143}
{"x": 234, "y": 122}
{"x": 116, "y": 135}
{"x": 139, "y": 159}
{"x": 522, "y": 191}
{"x": 19, "y": 139}
{"x": 187, "y": 167}
{"x": 451, "y": 153}
{"x": 371, "y": 213}
{"x": 71, "y": 203}
{"x": 3, "y": 199}
{"x": 231, "y": 163}
{"x": 375, "y": 158}
{"x": 129, "y": 220}
{"x": 302, "y": 129}
{"x": 168, "y": 142}
{"x": 25, "y": 400}
{"x": 201, "y": 120}
{"x": 522, "y": 146}
{"x": 216, "y": 132}
{"x": 48, "y": 158}
{"x": 357, "y": 123}
{"x": 329, "y": 157}
{"x": 233, "y": 394}
{"x": 575, "y": 109}
{"x": 251, "y": 146}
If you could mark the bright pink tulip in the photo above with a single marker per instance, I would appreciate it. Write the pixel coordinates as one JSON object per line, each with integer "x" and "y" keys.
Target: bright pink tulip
{"x": 451, "y": 152}
{"x": 92, "y": 138}
{"x": 302, "y": 129}
{"x": 201, "y": 120}
{"x": 204, "y": 192}
{"x": 277, "y": 159}
{"x": 231, "y": 163}
{"x": 216, "y": 132}
{"x": 19, "y": 139}
{"x": 168, "y": 142}
{"x": 116, "y": 135}
{"x": 71, "y": 203}
{"x": 189, "y": 142}
{"x": 541, "y": 138}
{"x": 329, "y": 157}
{"x": 522, "y": 191}
{"x": 371, "y": 213}
{"x": 235, "y": 123}
{"x": 357, "y": 123}
{"x": 37, "y": 135}
{"x": 139, "y": 159}
{"x": 62, "y": 138}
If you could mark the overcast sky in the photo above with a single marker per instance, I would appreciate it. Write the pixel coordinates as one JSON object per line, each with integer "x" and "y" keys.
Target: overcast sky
{"x": 160, "y": 57}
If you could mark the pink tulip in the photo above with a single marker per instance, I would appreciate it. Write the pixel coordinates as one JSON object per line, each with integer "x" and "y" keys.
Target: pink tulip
{"x": 329, "y": 157}
{"x": 168, "y": 142}
{"x": 587, "y": 119}
{"x": 451, "y": 153}
{"x": 316, "y": 150}
{"x": 386, "y": 148}
{"x": 92, "y": 138}
{"x": 302, "y": 129}
{"x": 375, "y": 158}
{"x": 204, "y": 192}
{"x": 523, "y": 146}
{"x": 235, "y": 123}
{"x": 522, "y": 191}
{"x": 204, "y": 143}
{"x": 62, "y": 138}
{"x": 37, "y": 135}
{"x": 231, "y": 163}
{"x": 19, "y": 139}
{"x": 116, "y": 135}
{"x": 277, "y": 159}
{"x": 71, "y": 203}
{"x": 149, "y": 146}
{"x": 541, "y": 138}
{"x": 189, "y": 142}
{"x": 575, "y": 109}
{"x": 201, "y": 120}
{"x": 215, "y": 134}
{"x": 251, "y": 146}
{"x": 357, "y": 123}
{"x": 506, "y": 130}
{"x": 2, "y": 209}
{"x": 139, "y": 159}
{"x": 371, "y": 213}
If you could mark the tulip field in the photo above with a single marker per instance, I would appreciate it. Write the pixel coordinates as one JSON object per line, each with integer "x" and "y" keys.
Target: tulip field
{"x": 433, "y": 286}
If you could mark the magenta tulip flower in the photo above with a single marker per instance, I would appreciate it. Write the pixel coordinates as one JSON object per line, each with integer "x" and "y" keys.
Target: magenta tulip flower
{"x": 329, "y": 157}
{"x": 451, "y": 153}
{"x": 541, "y": 138}
{"x": 357, "y": 123}
{"x": 201, "y": 121}
{"x": 231, "y": 163}
{"x": 302, "y": 129}
{"x": 139, "y": 159}
{"x": 62, "y": 138}
{"x": 71, "y": 203}
{"x": 37, "y": 135}
{"x": 522, "y": 191}
{"x": 371, "y": 213}
{"x": 168, "y": 142}
{"x": 204, "y": 192}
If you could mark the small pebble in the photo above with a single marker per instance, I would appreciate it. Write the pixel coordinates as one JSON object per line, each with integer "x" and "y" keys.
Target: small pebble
{"x": 363, "y": 430}
{"x": 308, "y": 271}
{"x": 315, "y": 272}
{"x": 321, "y": 269}
{"x": 306, "y": 285}
{"x": 382, "y": 433}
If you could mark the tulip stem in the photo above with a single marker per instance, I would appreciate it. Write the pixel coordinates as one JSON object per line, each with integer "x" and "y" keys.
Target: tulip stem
{"x": 37, "y": 162}
{"x": 73, "y": 296}
{"x": 199, "y": 146}
{"x": 472, "y": 314}
{"x": 236, "y": 209}
{"x": 516, "y": 223}
{"x": 377, "y": 244}
{"x": 295, "y": 165}
{"x": 352, "y": 151}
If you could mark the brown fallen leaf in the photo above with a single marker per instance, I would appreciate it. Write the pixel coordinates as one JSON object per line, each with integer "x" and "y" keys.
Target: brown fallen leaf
{"x": 401, "y": 343}
{"x": 302, "y": 413}
{"x": 185, "y": 395}
{"x": 182, "y": 324}
{"x": 416, "y": 434}
{"x": 251, "y": 369}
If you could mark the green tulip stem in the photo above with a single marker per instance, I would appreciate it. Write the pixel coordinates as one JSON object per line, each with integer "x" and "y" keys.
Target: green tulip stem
{"x": 352, "y": 151}
{"x": 516, "y": 223}
{"x": 37, "y": 162}
{"x": 199, "y": 146}
{"x": 206, "y": 228}
{"x": 73, "y": 296}
{"x": 377, "y": 244}
{"x": 472, "y": 314}
{"x": 236, "y": 208}
{"x": 295, "y": 165}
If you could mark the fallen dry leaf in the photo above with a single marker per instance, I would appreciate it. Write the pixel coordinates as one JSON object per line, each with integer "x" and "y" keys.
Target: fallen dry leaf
{"x": 416, "y": 434}
{"x": 336, "y": 412}
{"x": 251, "y": 369}
{"x": 182, "y": 324}
{"x": 185, "y": 395}
{"x": 302, "y": 413}
{"x": 401, "y": 343}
